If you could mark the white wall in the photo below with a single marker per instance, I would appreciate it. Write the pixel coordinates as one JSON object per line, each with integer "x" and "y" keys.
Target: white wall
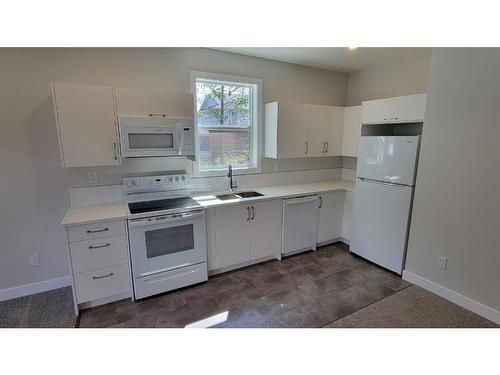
{"x": 395, "y": 79}
{"x": 33, "y": 185}
{"x": 456, "y": 212}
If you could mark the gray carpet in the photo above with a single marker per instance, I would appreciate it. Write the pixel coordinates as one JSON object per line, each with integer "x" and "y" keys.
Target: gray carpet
{"x": 413, "y": 307}
{"x": 52, "y": 309}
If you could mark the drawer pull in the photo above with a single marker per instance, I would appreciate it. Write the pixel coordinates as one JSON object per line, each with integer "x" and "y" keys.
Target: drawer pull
{"x": 97, "y": 231}
{"x": 99, "y": 247}
{"x": 102, "y": 277}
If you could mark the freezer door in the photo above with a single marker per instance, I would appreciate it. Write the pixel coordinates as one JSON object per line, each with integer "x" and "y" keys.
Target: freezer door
{"x": 391, "y": 159}
{"x": 380, "y": 223}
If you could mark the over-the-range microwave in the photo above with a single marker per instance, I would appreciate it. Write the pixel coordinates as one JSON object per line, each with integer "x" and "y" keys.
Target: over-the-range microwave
{"x": 152, "y": 136}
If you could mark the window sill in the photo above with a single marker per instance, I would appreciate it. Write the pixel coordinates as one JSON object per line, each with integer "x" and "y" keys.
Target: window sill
{"x": 223, "y": 172}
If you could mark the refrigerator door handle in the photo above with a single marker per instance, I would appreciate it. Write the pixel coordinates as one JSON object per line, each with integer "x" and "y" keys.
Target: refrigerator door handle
{"x": 381, "y": 182}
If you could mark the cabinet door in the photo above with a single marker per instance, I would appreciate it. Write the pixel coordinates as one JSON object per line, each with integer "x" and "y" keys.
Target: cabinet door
{"x": 410, "y": 108}
{"x": 352, "y": 131}
{"x": 334, "y": 131}
{"x": 86, "y": 122}
{"x": 265, "y": 229}
{"x": 316, "y": 131}
{"x": 347, "y": 221}
{"x": 292, "y": 130}
{"x": 139, "y": 102}
{"x": 331, "y": 214}
{"x": 232, "y": 230}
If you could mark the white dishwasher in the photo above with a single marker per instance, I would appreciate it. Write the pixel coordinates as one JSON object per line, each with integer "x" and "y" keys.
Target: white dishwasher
{"x": 300, "y": 224}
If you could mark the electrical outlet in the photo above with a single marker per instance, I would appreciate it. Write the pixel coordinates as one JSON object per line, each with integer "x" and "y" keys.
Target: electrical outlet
{"x": 442, "y": 262}
{"x": 92, "y": 178}
{"x": 34, "y": 260}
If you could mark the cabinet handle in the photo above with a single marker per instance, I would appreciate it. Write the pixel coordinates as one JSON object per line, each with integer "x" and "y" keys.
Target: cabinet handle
{"x": 99, "y": 247}
{"x": 323, "y": 151}
{"x": 253, "y": 212}
{"x": 114, "y": 149}
{"x": 248, "y": 213}
{"x": 307, "y": 147}
{"x": 97, "y": 231}
{"x": 157, "y": 115}
{"x": 102, "y": 277}
{"x": 326, "y": 152}
{"x": 320, "y": 202}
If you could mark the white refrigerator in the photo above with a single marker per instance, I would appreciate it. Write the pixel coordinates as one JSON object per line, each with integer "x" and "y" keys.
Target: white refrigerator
{"x": 383, "y": 199}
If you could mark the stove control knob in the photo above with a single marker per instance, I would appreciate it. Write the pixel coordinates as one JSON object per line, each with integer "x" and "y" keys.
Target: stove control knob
{"x": 176, "y": 178}
{"x": 183, "y": 178}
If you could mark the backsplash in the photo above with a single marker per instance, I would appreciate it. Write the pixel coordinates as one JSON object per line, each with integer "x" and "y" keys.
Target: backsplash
{"x": 95, "y": 195}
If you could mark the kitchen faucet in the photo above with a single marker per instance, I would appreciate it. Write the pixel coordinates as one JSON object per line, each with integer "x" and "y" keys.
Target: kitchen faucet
{"x": 232, "y": 184}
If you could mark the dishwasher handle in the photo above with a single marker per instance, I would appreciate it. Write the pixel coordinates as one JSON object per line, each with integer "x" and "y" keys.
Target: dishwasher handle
{"x": 308, "y": 199}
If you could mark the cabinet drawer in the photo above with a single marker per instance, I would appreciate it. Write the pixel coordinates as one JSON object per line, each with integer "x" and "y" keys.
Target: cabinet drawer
{"x": 102, "y": 283}
{"x": 99, "y": 253}
{"x": 96, "y": 230}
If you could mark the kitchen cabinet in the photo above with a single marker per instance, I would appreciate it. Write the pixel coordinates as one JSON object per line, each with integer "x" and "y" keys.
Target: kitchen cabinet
{"x": 331, "y": 215}
{"x": 99, "y": 260}
{"x": 244, "y": 233}
{"x": 232, "y": 235}
{"x": 401, "y": 109}
{"x": 352, "y": 131}
{"x": 347, "y": 216}
{"x": 316, "y": 130}
{"x": 334, "y": 131}
{"x": 286, "y": 130}
{"x": 87, "y": 124}
{"x": 294, "y": 130}
{"x": 265, "y": 229}
{"x": 143, "y": 103}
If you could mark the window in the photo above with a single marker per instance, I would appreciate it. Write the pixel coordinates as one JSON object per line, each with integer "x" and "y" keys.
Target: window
{"x": 227, "y": 123}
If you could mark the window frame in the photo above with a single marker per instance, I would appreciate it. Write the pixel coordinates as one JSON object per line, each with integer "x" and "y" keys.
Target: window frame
{"x": 256, "y": 128}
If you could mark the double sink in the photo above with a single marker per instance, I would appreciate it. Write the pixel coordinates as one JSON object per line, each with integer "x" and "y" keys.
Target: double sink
{"x": 240, "y": 195}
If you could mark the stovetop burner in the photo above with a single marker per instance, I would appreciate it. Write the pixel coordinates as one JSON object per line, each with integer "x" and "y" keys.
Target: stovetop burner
{"x": 161, "y": 205}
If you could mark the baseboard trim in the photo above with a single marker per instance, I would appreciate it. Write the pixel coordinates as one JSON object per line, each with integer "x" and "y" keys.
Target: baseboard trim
{"x": 452, "y": 296}
{"x": 27, "y": 289}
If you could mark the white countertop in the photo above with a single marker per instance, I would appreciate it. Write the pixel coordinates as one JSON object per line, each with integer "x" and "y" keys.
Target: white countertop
{"x": 82, "y": 215}
{"x": 104, "y": 212}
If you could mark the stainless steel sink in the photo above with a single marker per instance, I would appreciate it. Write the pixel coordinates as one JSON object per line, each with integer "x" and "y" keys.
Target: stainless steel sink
{"x": 248, "y": 194}
{"x": 240, "y": 195}
{"x": 225, "y": 197}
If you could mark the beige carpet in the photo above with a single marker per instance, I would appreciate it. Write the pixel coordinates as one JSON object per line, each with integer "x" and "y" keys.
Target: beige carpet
{"x": 413, "y": 307}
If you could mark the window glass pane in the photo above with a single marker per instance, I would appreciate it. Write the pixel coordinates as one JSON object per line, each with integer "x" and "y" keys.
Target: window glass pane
{"x": 166, "y": 241}
{"x": 225, "y": 124}
{"x": 218, "y": 148}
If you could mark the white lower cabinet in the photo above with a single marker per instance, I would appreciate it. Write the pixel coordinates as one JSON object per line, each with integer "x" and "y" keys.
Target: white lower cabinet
{"x": 330, "y": 216}
{"x": 232, "y": 235}
{"x": 99, "y": 262}
{"x": 265, "y": 229}
{"x": 244, "y": 233}
{"x": 347, "y": 217}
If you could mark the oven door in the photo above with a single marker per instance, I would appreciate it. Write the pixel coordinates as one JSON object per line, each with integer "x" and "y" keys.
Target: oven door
{"x": 143, "y": 141}
{"x": 167, "y": 242}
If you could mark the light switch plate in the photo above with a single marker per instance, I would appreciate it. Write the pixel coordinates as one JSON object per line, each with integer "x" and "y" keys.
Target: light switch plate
{"x": 442, "y": 263}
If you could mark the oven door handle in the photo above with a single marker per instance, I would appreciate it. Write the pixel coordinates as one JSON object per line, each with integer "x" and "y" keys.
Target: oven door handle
{"x": 134, "y": 223}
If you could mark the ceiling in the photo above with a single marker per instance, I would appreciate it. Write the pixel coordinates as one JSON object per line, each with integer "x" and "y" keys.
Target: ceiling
{"x": 332, "y": 58}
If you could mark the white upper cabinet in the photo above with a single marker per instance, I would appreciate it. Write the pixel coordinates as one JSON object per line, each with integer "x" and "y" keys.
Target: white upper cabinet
{"x": 139, "y": 102}
{"x": 286, "y": 130}
{"x": 352, "y": 131}
{"x": 87, "y": 124}
{"x": 316, "y": 130}
{"x": 334, "y": 131}
{"x": 295, "y": 130}
{"x": 410, "y": 108}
